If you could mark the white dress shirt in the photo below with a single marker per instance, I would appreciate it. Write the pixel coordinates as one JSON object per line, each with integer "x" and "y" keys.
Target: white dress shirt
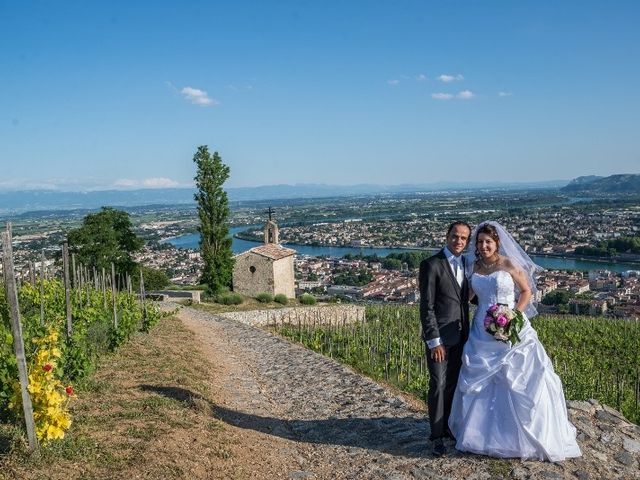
{"x": 459, "y": 274}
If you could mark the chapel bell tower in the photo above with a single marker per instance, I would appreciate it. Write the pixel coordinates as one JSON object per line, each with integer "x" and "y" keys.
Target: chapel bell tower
{"x": 271, "y": 230}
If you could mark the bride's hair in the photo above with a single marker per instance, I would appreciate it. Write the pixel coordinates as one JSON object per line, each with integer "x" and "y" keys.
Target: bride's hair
{"x": 490, "y": 230}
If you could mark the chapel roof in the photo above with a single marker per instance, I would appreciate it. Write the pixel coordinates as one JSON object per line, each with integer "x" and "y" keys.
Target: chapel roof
{"x": 273, "y": 251}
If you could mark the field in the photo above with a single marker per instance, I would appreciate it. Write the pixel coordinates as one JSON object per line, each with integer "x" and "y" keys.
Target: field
{"x": 595, "y": 357}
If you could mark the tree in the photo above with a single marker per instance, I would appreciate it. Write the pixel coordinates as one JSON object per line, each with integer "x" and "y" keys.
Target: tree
{"x": 391, "y": 264}
{"x": 557, "y": 297}
{"x": 106, "y": 237}
{"x": 213, "y": 210}
{"x": 154, "y": 279}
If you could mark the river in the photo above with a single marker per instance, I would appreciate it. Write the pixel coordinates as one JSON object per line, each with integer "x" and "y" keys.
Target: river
{"x": 552, "y": 263}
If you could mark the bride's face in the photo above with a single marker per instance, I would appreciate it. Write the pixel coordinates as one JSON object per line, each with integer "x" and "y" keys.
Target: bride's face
{"x": 486, "y": 245}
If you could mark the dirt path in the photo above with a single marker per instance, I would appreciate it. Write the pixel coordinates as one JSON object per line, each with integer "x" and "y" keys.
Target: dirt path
{"x": 302, "y": 415}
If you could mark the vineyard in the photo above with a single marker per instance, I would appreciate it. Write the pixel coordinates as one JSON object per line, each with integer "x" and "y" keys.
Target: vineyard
{"x": 595, "y": 357}
{"x": 64, "y": 332}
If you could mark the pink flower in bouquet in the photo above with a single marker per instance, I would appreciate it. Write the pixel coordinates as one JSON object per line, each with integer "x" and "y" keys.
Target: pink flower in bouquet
{"x": 493, "y": 308}
{"x": 487, "y": 321}
{"x": 502, "y": 320}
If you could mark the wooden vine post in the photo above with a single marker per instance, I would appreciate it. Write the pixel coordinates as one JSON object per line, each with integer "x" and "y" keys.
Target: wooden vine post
{"x": 67, "y": 288}
{"x": 113, "y": 295}
{"x": 18, "y": 342}
{"x": 142, "y": 295}
{"x": 73, "y": 267}
{"x": 42, "y": 289}
{"x": 104, "y": 288}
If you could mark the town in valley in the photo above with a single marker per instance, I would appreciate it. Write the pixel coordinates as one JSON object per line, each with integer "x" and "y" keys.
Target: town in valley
{"x": 548, "y": 224}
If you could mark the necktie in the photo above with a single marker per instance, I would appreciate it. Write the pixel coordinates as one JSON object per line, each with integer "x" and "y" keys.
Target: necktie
{"x": 457, "y": 271}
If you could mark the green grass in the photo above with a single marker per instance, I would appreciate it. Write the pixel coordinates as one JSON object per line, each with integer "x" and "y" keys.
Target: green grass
{"x": 499, "y": 468}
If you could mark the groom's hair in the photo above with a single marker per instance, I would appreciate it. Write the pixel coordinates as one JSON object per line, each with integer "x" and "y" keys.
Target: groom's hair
{"x": 456, "y": 223}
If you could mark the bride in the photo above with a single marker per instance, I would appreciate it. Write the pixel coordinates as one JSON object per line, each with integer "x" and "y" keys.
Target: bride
{"x": 509, "y": 401}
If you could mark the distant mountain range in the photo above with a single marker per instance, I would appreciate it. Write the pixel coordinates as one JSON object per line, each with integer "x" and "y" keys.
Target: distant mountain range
{"x": 12, "y": 202}
{"x": 311, "y": 190}
{"x": 624, "y": 183}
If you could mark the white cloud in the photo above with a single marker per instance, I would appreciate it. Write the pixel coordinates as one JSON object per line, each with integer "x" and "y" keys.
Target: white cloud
{"x": 421, "y": 78}
{"x": 466, "y": 95}
{"x": 504, "y": 94}
{"x": 88, "y": 184}
{"x": 152, "y": 182}
{"x": 126, "y": 183}
{"x": 198, "y": 97}
{"x": 22, "y": 184}
{"x": 442, "y": 96}
{"x": 393, "y": 83}
{"x": 450, "y": 78}
{"x": 159, "y": 182}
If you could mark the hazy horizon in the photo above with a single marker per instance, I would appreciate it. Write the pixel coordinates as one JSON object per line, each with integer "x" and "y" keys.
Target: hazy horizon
{"x": 439, "y": 185}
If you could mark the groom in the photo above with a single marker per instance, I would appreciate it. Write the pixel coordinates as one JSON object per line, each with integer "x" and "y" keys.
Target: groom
{"x": 444, "y": 314}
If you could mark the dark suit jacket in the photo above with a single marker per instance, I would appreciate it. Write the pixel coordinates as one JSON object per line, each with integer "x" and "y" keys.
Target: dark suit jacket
{"x": 444, "y": 305}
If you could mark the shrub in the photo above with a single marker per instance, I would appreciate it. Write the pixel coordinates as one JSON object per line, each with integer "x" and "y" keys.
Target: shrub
{"x": 264, "y": 297}
{"x": 229, "y": 299}
{"x": 151, "y": 316}
{"x": 281, "y": 298}
{"x": 307, "y": 299}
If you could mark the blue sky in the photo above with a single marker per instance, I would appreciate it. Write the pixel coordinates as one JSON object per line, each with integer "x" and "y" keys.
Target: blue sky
{"x": 120, "y": 94}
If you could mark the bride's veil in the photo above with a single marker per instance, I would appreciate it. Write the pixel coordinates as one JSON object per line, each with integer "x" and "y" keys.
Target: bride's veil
{"x": 509, "y": 248}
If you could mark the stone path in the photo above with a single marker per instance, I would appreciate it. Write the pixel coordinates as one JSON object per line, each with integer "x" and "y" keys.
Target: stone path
{"x": 341, "y": 425}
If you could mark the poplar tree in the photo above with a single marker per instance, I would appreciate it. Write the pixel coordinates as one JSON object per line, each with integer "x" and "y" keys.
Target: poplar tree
{"x": 213, "y": 211}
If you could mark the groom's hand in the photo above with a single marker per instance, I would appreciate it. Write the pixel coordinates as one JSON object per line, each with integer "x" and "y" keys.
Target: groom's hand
{"x": 437, "y": 353}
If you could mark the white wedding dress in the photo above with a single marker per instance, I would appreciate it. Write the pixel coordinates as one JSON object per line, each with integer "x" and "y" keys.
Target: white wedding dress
{"x": 509, "y": 401}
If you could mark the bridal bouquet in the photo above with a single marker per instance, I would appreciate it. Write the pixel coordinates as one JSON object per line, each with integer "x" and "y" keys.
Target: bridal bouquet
{"x": 504, "y": 323}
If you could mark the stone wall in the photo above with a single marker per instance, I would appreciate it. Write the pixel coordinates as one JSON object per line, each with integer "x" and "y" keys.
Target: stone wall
{"x": 324, "y": 314}
{"x": 284, "y": 277}
{"x": 164, "y": 295}
{"x": 251, "y": 283}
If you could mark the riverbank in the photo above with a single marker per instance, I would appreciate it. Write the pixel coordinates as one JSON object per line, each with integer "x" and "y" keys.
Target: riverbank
{"x": 548, "y": 261}
{"x": 562, "y": 256}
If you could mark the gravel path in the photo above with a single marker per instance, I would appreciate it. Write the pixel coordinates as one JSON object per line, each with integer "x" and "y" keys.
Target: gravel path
{"x": 338, "y": 424}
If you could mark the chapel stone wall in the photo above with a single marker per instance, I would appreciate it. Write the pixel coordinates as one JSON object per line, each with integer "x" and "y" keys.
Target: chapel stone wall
{"x": 284, "y": 278}
{"x": 251, "y": 281}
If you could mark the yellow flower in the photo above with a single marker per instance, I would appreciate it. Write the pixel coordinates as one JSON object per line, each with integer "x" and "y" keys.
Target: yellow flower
{"x": 48, "y": 394}
{"x": 64, "y": 422}
{"x": 54, "y": 432}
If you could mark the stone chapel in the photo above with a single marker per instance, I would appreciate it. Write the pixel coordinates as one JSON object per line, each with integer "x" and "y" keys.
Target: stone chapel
{"x": 267, "y": 268}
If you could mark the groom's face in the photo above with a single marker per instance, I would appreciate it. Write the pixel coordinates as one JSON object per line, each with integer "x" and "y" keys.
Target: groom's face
{"x": 457, "y": 239}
